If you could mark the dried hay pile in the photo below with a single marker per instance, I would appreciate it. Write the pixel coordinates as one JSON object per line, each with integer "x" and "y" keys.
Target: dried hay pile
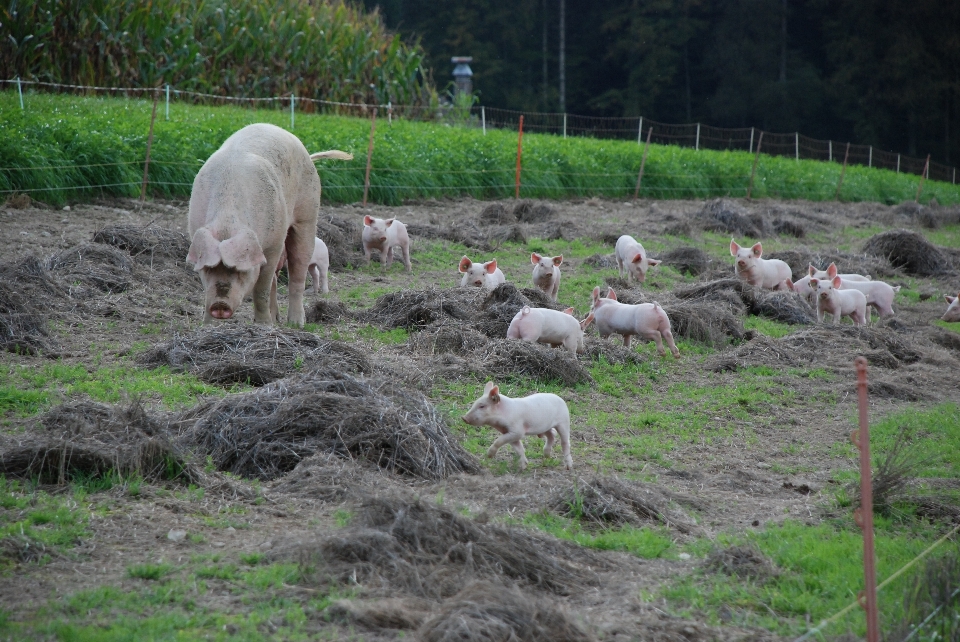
{"x": 496, "y": 214}
{"x": 465, "y": 232}
{"x": 530, "y": 212}
{"x": 430, "y": 551}
{"x": 417, "y": 309}
{"x": 326, "y": 311}
{"x": 89, "y": 439}
{"x": 100, "y": 266}
{"x": 799, "y": 261}
{"x": 328, "y": 477}
{"x": 505, "y": 357}
{"x": 612, "y": 502}
{"x": 711, "y": 323}
{"x": 613, "y": 353}
{"x": 251, "y": 353}
{"x": 721, "y": 215}
{"x": 689, "y": 260}
{"x": 267, "y": 432}
{"x": 601, "y": 261}
{"x": 908, "y": 251}
{"x": 147, "y": 243}
{"x": 22, "y": 329}
{"x": 449, "y": 338}
{"x": 783, "y": 306}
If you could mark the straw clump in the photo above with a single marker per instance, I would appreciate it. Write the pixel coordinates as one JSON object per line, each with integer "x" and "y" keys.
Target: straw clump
{"x": 721, "y": 215}
{"x": 908, "y": 251}
{"x": 786, "y": 307}
{"x": 254, "y": 354}
{"x": 267, "y": 432}
{"x": 689, "y": 260}
{"x": 146, "y": 243}
{"x": 102, "y": 267}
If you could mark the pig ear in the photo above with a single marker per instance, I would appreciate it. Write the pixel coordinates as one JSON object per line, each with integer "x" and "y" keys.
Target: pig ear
{"x": 611, "y": 294}
{"x": 488, "y": 387}
{"x": 814, "y": 283}
{"x": 637, "y": 258}
{"x": 465, "y": 264}
{"x": 950, "y": 299}
{"x": 790, "y": 286}
{"x": 242, "y": 251}
{"x": 836, "y": 282}
{"x": 811, "y": 270}
{"x": 652, "y": 262}
{"x": 757, "y": 250}
{"x": 734, "y": 248}
{"x": 569, "y": 311}
{"x": 535, "y": 258}
{"x": 495, "y": 394}
{"x": 557, "y": 260}
{"x": 390, "y": 221}
{"x": 368, "y": 220}
{"x": 832, "y": 270}
{"x": 596, "y": 293}
{"x": 490, "y": 266}
{"x": 204, "y": 250}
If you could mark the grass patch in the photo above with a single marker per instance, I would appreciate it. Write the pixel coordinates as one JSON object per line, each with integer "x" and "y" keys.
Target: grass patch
{"x": 35, "y": 524}
{"x": 151, "y": 572}
{"x": 953, "y": 326}
{"x": 648, "y": 543}
{"x": 768, "y": 327}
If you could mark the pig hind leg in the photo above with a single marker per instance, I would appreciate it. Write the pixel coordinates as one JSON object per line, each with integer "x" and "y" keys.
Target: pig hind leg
{"x": 563, "y": 430}
{"x": 315, "y": 277}
{"x": 299, "y": 246}
{"x": 549, "y": 436}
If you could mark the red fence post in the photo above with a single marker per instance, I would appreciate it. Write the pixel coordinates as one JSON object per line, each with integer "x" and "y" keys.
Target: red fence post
{"x": 643, "y": 161}
{"x": 366, "y": 179}
{"x": 146, "y": 164}
{"x": 923, "y": 174}
{"x": 864, "y": 515}
{"x": 755, "y": 159}
{"x": 516, "y": 193}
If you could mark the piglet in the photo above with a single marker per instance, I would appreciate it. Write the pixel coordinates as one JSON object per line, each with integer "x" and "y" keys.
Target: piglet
{"x": 953, "y": 308}
{"x": 770, "y": 274}
{"x": 384, "y": 235}
{"x": 840, "y": 303}
{"x": 647, "y": 320}
{"x": 879, "y": 294}
{"x": 486, "y": 275}
{"x": 541, "y": 325}
{"x": 318, "y": 268}
{"x": 802, "y": 287}
{"x": 546, "y": 274}
{"x": 538, "y": 414}
{"x": 632, "y": 259}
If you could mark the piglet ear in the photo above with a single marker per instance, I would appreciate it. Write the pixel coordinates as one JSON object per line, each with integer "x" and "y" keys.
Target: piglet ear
{"x": 569, "y": 311}
{"x": 557, "y": 260}
{"x": 653, "y": 262}
{"x": 637, "y": 258}
{"x": 611, "y": 294}
{"x": 242, "y": 251}
{"x": 814, "y": 283}
{"x": 586, "y": 322}
{"x": 465, "y": 264}
{"x": 757, "y": 250}
{"x": 204, "y": 250}
{"x": 949, "y": 299}
{"x": 836, "y": 282}
{"x": 832, "y": 270}
{"x": 734, "y": 248}
{"x": 491, "y": 266}
{"x": 596, "y": 293}
{"x": 811, "y": 270}
{"x": 495, "y": 394}
{"x": 790, "y": 285}
{"x": 488, "y": 387}
{"x": 535, "y": 258}
{"x": 368, "y": 220}
{"x": 390, "y": 221}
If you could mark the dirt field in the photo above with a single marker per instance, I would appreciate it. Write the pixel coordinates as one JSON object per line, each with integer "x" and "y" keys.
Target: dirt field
{"x": 774, "y": 459}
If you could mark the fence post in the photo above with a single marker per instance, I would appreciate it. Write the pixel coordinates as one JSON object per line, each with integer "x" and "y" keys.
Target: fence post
{"x": 293, "y": 98}
{"x": 870, "y": 157}
{"x": 564, "y": 124}
{"x": 167, "y": 107}
{"x": 830, "y": 150}
{"x": 863, "y": 516}
{"x": 146, "y": 163}
{"x": 483, "y": 119}
{"x": 20, "y": 93}
{"x": 755, "y": 159}
{"x": 796, "y": 136}
{"x": 697, "y": 144}
{"x": 923, "y": 175}
{"x": 954, "y": 175}
{"x": 898, "y": 163}
{"x": 366, "y": 179}
{"x": 640, "y": 131}
{"x": 390, "y": 112}
{"x": 751, "y": 139}
{"x": 643, "y": 161}
{"x": 516, "y": 193}
{"x": 843, "y": 170}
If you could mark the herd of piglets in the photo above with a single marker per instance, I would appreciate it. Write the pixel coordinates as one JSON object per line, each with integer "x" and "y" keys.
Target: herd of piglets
{"x": 255, "y": 203}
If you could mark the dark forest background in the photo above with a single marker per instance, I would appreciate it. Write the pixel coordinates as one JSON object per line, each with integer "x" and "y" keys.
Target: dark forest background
{"x": 878, "y": 72}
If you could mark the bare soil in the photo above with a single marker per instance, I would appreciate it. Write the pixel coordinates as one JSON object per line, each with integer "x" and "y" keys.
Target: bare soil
{"x": 724, "y": 486}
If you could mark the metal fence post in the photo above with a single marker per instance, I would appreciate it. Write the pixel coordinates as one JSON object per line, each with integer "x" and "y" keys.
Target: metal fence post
{"x": 516, "y": 193}
{"x": 697, "y": 144}
{"x": 640, "y": 131}
{"x": 755, "y": 160}
{"x": 146, "y": 163}
{"x": 870, "y": 157}
{"x": 167, "y": 107}
{"x": 923, "y": 175}
{"x": 483, "y": 119}
{"x": 898, "y": 163}
{"x": 643, "y": 161}
{"x": 20, "y": 93}
{"x": 751, "y": 140}
{"x": 564, "y": 123}
{"x": 293, "y": 98}
{"x": 830, "y": 150}
{"x": 863, "y": 516}
{"x": 797, "y": 143}
{"x": 366, "y": 179}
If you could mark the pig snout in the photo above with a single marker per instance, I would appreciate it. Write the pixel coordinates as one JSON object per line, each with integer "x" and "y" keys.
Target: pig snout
{"x": 741, "y": 264}
{"x": 221, "y": 310}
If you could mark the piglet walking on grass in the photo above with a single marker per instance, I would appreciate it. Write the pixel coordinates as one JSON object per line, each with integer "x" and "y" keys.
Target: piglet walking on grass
{"x": 648, "y": 321}
{"x": 770, "y": 274}
{"x": 541, "y": 325}
{"x": 540, "y": 414}
{"x": 384, "y": 235}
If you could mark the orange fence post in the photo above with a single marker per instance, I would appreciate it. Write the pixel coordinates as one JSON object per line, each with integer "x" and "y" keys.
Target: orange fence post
{"x": 923, "y": 174}
{"x": 643, "y": 161}
{"x": 864, "y": 515}
{"x": 755, "y": 159}
{"x": 516, "y": 193}
{"x": 146, "y": 164}
{"x": 366, "y": 179}
{"x": 843, "y": 170}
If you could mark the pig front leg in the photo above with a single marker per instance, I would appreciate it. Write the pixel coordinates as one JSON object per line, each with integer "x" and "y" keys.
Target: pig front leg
{"x": 299, "y": 246}
{"x": 274, "y": 307}
{"x": 405, "y": 248}
{"x": 386, "y": 258}
{"x": 265, "y": 298}
{"x": 515, "y": 439}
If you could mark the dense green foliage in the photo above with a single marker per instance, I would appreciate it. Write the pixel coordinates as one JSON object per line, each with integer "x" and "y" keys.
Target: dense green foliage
{"x": 65, "y": 148}
{"x": 329, "y": 51}
{"x": 880, "y": 72}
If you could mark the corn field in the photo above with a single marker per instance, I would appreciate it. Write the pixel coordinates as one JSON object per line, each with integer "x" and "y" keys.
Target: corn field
{"x": 255, "y": 48}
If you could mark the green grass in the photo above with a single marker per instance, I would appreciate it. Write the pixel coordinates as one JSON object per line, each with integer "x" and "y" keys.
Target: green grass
{"x": 648, "y": 543}
{"x": 65, "y": 147}
{"x": 26, "y": 390}
{"x": 768, "y": 327}
{"x": 37, "y": 524}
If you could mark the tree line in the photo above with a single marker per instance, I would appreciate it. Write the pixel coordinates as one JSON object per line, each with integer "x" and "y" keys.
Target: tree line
{"x": 878, "y": 72}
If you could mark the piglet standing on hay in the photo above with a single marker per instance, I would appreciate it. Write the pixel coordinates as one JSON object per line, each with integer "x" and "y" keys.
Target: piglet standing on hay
{"x": 383, "y": 235}
{"x": 632, "y": 259}
{"x": 953, "y": 308}
{"x": 647, "y": 320}
{"x": 540, "y": 414}
{"x": 318, "y": 269}
{"x": 542, "y": 325}
{"x": 546, "y": 274}
{"x": 770, "y": 274}
{"x": 802, "y": 287}
{"x": 480, "y": 275}
{"x": 254, "y": 197}
{"x": 839, "y": 303}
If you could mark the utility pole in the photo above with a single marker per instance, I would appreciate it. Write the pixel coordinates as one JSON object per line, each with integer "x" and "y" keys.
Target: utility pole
{"x": 563, "y": 44}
